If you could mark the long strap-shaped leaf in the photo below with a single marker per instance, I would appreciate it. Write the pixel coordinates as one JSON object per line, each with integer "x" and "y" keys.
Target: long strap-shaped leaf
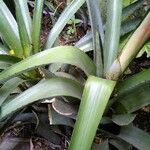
{"x": 133, "y": 100}
{"x": 96, "y": 94}
{"x": 130, "y": 92}
{"x": 70, "y": 10}
{"x": 62, "y": 54}
{"x": 133, "y": 82}
{"x": 98, "y": 34}
{"x": 37, "y": 18}
{"x": 48, "y": 88}
{"x": 113, "y": 24}
{"x": 9, "y": 29}
{"x": 96, "y": 18}
{"x": 9, "y": 87}
{"x": 85, "y": 43}
{"x": 7, "y": 61}
{"x": 129, "y": 10}
{"x": 136, "y": 137}
{"x": 24, "y": 24}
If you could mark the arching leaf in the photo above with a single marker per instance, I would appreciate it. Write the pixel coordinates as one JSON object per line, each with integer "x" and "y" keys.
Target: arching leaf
{"x": 62, "y": 54}
{"x": 48, "y": 88}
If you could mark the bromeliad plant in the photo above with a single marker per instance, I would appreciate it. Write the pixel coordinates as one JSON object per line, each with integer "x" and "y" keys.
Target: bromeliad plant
{"x": 21, "y": 37}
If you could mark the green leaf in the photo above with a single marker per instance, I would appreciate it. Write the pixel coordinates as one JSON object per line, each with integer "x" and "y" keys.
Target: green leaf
{"x": 96, "y": 94}
{"x": 9, "y": 30}
{"x": 66, "y": 75}
{"x": 106, "y": 120}
{"x": 51, "y": 7}
{"x": 48, "y": 88}
{"x": 133, "y": 93}
{"x": 8, "y": 88}
{"x": 129, "y": 26}
{"x": 77, "y": 21}
{"x": 112, "y": 32}
{"x": 134, "y": 81}
{"x": 55, "y": 67}
{"x": 25, "y": 25}
{"x": 129, "y": 10}
{"x": 70, "y": 55}
{"x": 124, "y": 119}
{"x": 136, "y": 137}
{"x": 96, "y": 19}
{"x": 134, "y": 100}
{"x": 97, "y": 34}
{"x": 120, "y": 144}
{"x": 37, "y": 18}
{"x": 7, "y": 61}
{"x": 146, "y": 48}
{"x": 67, "y": 14}
{"x": 124, "y": 40}
{"x": 85, "y": 43}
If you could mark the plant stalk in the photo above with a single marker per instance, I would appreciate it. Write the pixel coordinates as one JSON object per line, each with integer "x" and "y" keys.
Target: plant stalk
{"x": 131, "y": 49}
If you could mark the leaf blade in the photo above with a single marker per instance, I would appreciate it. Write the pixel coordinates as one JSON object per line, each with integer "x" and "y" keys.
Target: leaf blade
{"x": 24, "y": 25}
{"x": 9, "y": 29}
{"x": 123, "y": 119}
{"x": 136, "y": 137}
{"x": 97, "y": 34}
{"x": 37, "y": 18}
{"x": 7, "y": 61}
{"x": 48, "y": 88}
{"x": 70, "y": 55}
{"x": 95, "y": 97}
{"x": 112, "y": 32}
{"x": 8, "y": 88}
